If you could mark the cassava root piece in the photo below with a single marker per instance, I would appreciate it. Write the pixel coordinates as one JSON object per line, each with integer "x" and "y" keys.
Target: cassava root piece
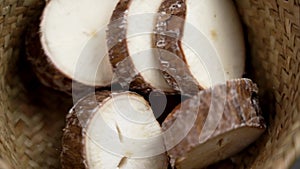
{"x": 44, "y": 70}
{"x": 73, "y": 39}
{"x": 199, "y": 46}
{"x": 217, "y": 123}
{"x": 129, "y": 39}
{"x": 169, "y": 30}
{"x": 112, "y": 131}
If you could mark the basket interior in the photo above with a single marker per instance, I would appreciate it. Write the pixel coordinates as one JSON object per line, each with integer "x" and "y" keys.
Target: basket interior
{"x": 32, "y": 116}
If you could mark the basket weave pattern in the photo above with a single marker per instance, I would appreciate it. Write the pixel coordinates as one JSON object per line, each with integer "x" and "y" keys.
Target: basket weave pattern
{"x": 273, "y": 29}
{"x": 31, "y": 120}
{"x": 30, "y": 127}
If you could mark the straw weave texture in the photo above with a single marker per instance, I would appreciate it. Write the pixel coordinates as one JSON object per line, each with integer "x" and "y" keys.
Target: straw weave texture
{"x": 31, "y": 117}
{"x": 273, "y": 30}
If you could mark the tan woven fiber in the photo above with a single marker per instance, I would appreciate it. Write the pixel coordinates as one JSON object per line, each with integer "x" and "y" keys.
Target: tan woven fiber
{"x": 3, "y": 165}
{"x": 32, "y": 116}
{"x": 273, "y": 29}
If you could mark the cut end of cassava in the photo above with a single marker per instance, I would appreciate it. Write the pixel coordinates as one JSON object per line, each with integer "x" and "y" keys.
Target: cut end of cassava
{"x": 113, "y": 131}
{"x": 130, "y": 46}
{"x": 210, "y": 38}
{"x": 226, "y": 120}
{"x": 43, "y": 69}
{"x": 198, "y": 43}
{"x": 73, "y": 38}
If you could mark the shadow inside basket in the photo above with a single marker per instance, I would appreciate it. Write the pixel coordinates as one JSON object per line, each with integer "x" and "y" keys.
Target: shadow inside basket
{"x": 38, "y": 116}
{"x": 34, "y": 115}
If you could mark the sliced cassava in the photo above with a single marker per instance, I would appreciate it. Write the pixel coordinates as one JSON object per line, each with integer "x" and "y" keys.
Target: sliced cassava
{"x": 201, "y": 43}
{"x": 113, "y": 131}
{"x": 44, "y": 70}
{"x": 74, "y": 41}
{"x": 168, "y": 33}
{"x": 129, "y": 39}
{"x": 216, "y": 124}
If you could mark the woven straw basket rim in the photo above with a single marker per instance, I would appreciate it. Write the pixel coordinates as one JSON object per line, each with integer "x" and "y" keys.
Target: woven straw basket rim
{"x": 32, "y": 116}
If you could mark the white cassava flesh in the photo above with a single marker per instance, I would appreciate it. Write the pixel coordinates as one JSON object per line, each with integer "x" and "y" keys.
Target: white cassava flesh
{"x": 218, "y": 21}
{"x": 118, "y": 131}
{"x": 209, "y": 42}
{"x": 138, "y": 57}
{"x": 73, "y": 38}
{"x": 139, "y": 33}
{"x": 209, "y": 139}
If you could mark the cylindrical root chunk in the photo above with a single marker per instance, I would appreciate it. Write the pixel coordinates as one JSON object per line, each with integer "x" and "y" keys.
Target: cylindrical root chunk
{"x": 129, "y": 39}
{"x": 199, "y": 46}
{"x": 217, "y": 123}
{"x": 73, "y": 39}
{"x": 169, "y": 31}
{"x": 43, "y": 68}
{"x": 113, "y": 131}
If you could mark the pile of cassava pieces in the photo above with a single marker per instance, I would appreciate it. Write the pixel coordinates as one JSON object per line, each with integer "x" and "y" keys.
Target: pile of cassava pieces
{"x": 177, "y": 47}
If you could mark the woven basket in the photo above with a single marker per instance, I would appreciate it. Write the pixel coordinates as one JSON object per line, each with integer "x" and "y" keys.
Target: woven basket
{"x": 32, "y": 116}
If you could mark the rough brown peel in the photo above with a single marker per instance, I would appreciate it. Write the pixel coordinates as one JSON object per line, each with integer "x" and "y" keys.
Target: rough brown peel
{"x": 118, "y": 51}
{"x": 123, "y": 65}
{"x": 231, "y": 116}
{"x": 73, "y": 155}
{"x": 167, "y": 38}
